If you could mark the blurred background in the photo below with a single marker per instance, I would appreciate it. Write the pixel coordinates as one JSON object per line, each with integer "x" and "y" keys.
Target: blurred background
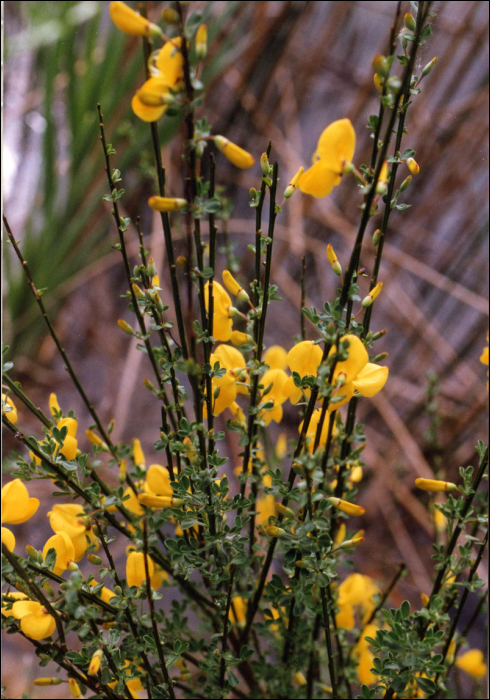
{"x": 278, "y": 71}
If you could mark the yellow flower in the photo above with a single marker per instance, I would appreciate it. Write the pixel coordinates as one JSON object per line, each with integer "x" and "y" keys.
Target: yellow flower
{"x": 335, "y": 149}
{"x": 201, "y": 42}
{"x": 138, "y": 455}
{"x": 8, "y": 539}
{"x": 371, "y": 379}
{"x": 238, "y": 611}
{"x": 304, "y": 358}
{"x": 346, "y": 506}
{"x": 70, "y": 444}
{"x": 434, "y": 485}
{"x": 356, "y": 592}
{"x": 266, "y": 505}
{"x": 95, "y": 662}
{"x": 151, "y": 100}
{"x": 233, "y": 360}
{"x": 472, "y": 663}
{"x": 235, "y": 154}
{"x": 69, "y": 518}
{"x": 35, "y": 621}
{"x": 17, "y": 506}
{"x": 7, "y": 611}
{"x": 233, "y": 287}
{"x": 222, "y": 323}
{"x": 74, "y": 689}
{"x": 12, "y": 412}
{"x": 135, "y": 569}
{"x": 276, "y": 357}
{"x": 365, "y": 657}
{"x": 134, "y": 685}
{"x": 225, "y": 388}
{"x": 239, "y": 338}
{"x": 65, "y": 551}
{"x": 157, "y": 481}
{"x": 312, "y": 428}
{"x": 129, "y": 21}
{"x": 278, "y": 378}
{"x": 105, "y": 594}
{"x": 166, "y": 203}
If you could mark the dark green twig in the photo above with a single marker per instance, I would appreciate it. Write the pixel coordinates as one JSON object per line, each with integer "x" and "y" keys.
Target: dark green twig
{"x": 26, "y": 400}
{"x": 149, "y": 595}
{"x": 226, "y": 625}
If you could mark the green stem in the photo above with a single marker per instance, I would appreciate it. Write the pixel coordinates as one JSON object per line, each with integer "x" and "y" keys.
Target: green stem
{"x": 226, "y": 626}
{"x": 26, "y": 401}
{"x": 156, "y": 635}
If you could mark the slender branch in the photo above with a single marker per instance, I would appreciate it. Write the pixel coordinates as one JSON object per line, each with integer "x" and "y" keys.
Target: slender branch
{"x": 226, "y": 626}
{"x": 151, "y": 604}
{"x": 26, "y": 401}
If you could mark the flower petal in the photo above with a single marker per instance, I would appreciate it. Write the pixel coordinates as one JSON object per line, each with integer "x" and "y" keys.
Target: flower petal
{"x": 319, "y": 180}
{"x": 337, "y": 143}
{"x": 371, "y": 379}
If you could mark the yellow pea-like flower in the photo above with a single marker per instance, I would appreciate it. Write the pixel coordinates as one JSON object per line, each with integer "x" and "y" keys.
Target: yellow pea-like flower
{"x": 472, "y": 662}
{"x": 277, "y": 378}
{"x": 239, "y": 338}
{"x": 233, "y": 287}
{"x": 74, "y": 688}
{"x": 332, "y": 259}
{"x": 293, "y": 185}
{"x": 11, "y": 413}
{"x": 130, "y": 22}
{"x": 413, "y": 166}
{"x": 335, "y": 149}
{"x": 8, "y": 539}
{"x": 135, "y": 569}
{"x": 304, "y": 358}
{"x": 238, "y": 611}
{"x": 138, "y": 455}
{"x": 65, "y": 551}
{"x": 372, "y": 296}
{"x": 276, "y": 357}
{"x": 70, "y": 519}
{"x": 222, "y": 323}
{"x": 371, "y": 379}
{"x": 17, "y": 506}
{"x": 236, "y": 155}
{"x": 35, "y": 621}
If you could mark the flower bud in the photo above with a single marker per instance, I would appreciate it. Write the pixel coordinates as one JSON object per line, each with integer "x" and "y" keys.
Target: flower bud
{"x": 34, "y": 554}
{"x": 379, "y": 334}
{"x": 235, "y": 154}
{"x": 381, "y": 66}
{"x": 434, "y": 485}
{"x": 425, "y": 600}
{"x": 125, "y": 326}
{"x": 301, "y": 564}
{"x": 72, "y": 566}
{"x": 138, "y": 293}
{"x": 394, "y": 83}
{"x": 201, "y": 42}
{"x": 130, "y": 22}
{"x": 409, "y": 22}
{"x": 378, "y": 83}
{"x": 233, "y": 287}
{"x": 354, "y": 542}
{"x": 170, "y": 16}
{"x": 47, "y": 681}
{"x": 379, "y": 358}
{"x": 373, "y": 294}
{"x": 286, "y": 512}
{"x": 182, "y": 262}
{"x": 299, "y": 677}
{"x": 95, "y": 439}
{"x": 159, "y": 501}
{"x": 48, "y": 588}
{"x": 74, "y": 688}
{"x": 332, "y": 259}
{"x": 166, "y": 204}
{"x": 413, "y": 166}
{"x": 406, "y": 183}
{"x": 428, "y": 68}
{"x": 346, "y": 506}
{"x": 377, "y": 236}
{"x": 274, "y": 531}
{"x": 293, "y": 185}
{"x": 94, "y": 559}
{"x": 148, "y": 385}
{"x": 264, "y": 164}
{"x": 95, "y": 662}
{"x": 239, "y": 338}
{"x": 122, "y": 471}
